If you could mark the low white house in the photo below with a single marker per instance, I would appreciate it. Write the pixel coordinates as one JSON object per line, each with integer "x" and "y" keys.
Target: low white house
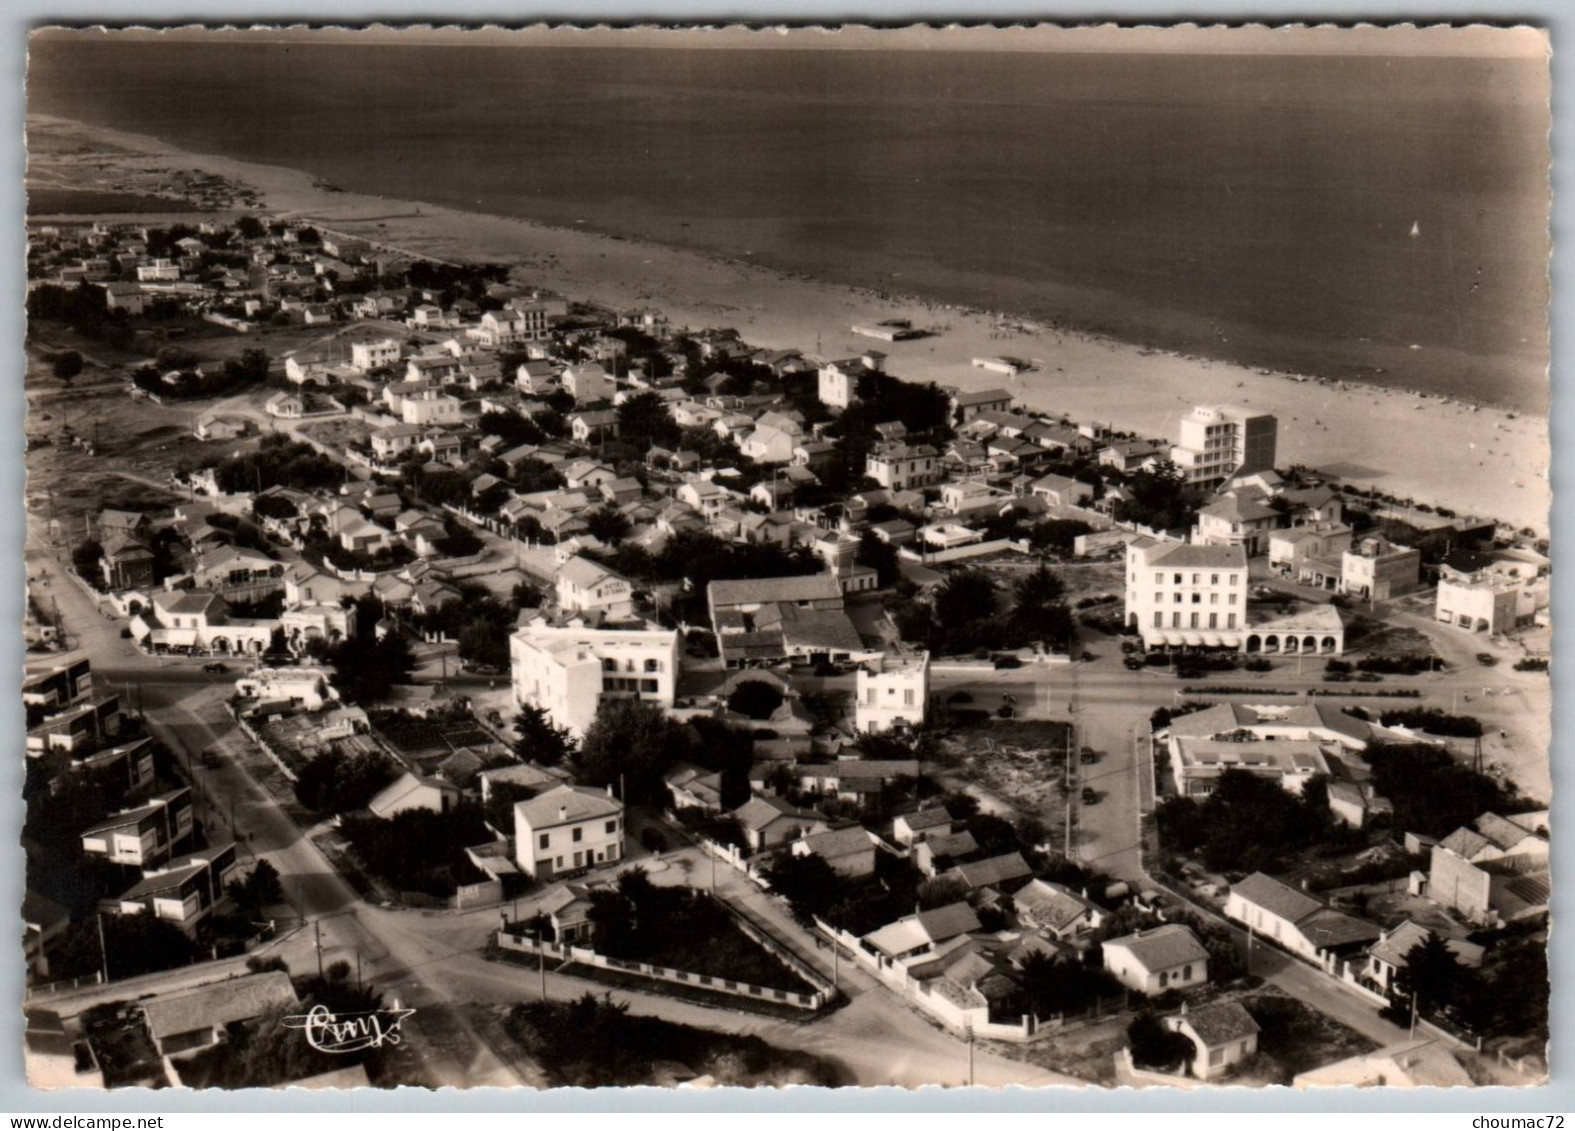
{"x": 1159, "y": 959}
{"x": 891, "y": 691}
{"x": 585, "y": 586}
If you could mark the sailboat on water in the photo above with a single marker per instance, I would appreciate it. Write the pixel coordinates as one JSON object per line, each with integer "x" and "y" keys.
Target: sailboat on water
{"x": 1416, "y": 229}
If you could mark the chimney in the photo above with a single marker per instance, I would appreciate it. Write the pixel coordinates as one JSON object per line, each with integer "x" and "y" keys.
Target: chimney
{"x": 1183, "y": 1007}
{"x": 563, "y": 812}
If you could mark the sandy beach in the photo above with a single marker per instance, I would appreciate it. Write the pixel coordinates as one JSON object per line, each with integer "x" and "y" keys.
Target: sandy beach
{"x": 1480, "y": 461}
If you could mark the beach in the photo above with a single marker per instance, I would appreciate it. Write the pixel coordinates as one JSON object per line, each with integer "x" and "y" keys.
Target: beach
{"x": 1480, "y": 461}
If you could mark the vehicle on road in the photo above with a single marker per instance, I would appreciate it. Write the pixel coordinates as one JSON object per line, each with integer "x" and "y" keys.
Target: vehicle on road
{"x": 216, "y": 668}
{"x": 1090, "y": 796}
{"x": 210, "y": 758}
{"x": 1487, "y": 659}
{"x": 1134, "y": 663}
{"x": 1087, "y": 657}
{"x": 1089, "y": 756}
{"x": 1007, "y": 662}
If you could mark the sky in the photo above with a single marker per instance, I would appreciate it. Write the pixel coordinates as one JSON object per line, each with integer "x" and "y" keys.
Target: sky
{"x": 1405, "y": 40}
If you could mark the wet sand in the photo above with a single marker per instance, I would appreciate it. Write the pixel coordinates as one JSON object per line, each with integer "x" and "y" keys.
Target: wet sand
{"x": 1485, "y": 462}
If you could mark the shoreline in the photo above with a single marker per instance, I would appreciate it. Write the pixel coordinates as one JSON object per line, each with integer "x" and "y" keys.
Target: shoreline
{"x": 1480, "y": 460}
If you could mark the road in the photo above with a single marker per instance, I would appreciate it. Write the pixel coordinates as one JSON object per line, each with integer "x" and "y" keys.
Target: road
{"x": 183, "y": 707}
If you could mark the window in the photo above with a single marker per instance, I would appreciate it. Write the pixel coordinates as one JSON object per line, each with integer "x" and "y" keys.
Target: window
{"x": 1175, "y": 620}
{"x": 1186, "y": 971}
{"x": 1158, "y": 598}
{"x": 612, "y": 825}
{"x": 1233, "y": 598}
{"x": 1196, "y": 577}
{"x": 1164, "y": 978}
{"x": 545, "y": 839}
{"x": 1159, "y": 620}
{"x": 653, "y": 666}
{"x": 648, "y": 686}
{"x": 1178, "y": 579}
{"x": 1176, "y": 598}
{"x": 1159, "y": 579}
{"x": 1232, "y": 621}
{"x": 1215, "y": 1056}
{"x": 1214, "y": 598}
{"x": 1194, "y": 623}
{"x": 1214, "y": 579}
{"x": 1214, "y": 620}
{"x": 907, "y": 697}
{"x": 609, "y": 665}
{"x": 1197, "y": 598}
{"x": 579, "y": 835}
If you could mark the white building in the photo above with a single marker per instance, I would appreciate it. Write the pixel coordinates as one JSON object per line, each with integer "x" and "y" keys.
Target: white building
{"x": 567, "y": 670}
{"x": 307, "y": 688}
{"x": 1219, "y": 441}
{"x": 839, "y": 383}
{"x": 1168, "y": 957}
{"x": 1179, "y": 593}
{"x": 891, "y": 691}
{"x": 1485, "y": 603}
{"x": 588, "y": 384}
{"x": 367, "y": 356}
{"x": 569, "y": 828}
{"x": 585, "y": 586}
{"x": 898, "y": 467}
{"x": 429, "y": 407}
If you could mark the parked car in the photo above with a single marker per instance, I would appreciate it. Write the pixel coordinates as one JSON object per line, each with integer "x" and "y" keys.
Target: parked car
{"x": 1090, "y": 797}
{"x": 1487, "y": 659}
{"x": 215, "y": 667}
{"x": 1007, "y": 662}
{"x": 1089, "y": 756}
{"x": 1134, "y": 663}
{"x": 1130, "y": 646}
{"x": 1087, "y": 657}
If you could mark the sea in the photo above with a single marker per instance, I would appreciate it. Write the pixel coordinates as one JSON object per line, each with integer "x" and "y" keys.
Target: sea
{"x": 1354, "y": 217}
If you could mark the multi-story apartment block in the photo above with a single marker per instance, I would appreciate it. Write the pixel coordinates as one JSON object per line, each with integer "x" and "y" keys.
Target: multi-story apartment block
{"x": 1178, "y": 593}
{"x": 569, "y": 669}
{"x": 143, "y": 837}
{"x": 1219, "y": 441}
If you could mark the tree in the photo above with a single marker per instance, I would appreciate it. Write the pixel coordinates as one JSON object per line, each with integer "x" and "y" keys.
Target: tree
{"x": 631, "y": 744}
{"x": 133, "y": 944}
{"x": 334, "y": 783}
{"x": 1431, "y": 792}
{"x": 809, "y": 884}
{"x": 540, "y": 740}
{"x": 608, "y": 525}
{"x": 644, "y": 420}
{"x": 1155, "y": 1046}
{"x": 754, "y": 698}
{"x": 365, "y": 673}
{"x": 85, "y": 558}
{"x": 67, "y": 364}
{"x": 1056, "y": 987}
{"x": 964, "y": 604}
{"x": 1160, "y": 499}
{"x": 879, "y": 556}
{"x": 1432, "y": 976}
{"x": 250, "y": 228}
{"x": 258, "y": 891}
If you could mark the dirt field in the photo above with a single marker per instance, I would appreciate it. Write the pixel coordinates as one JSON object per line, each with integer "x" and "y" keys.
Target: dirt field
{"x": 1022, "y": 763}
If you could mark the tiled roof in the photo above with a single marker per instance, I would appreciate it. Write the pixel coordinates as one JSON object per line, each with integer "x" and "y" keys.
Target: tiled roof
{"x": 1280, "y": 900}
{"x": 1220, "y": 1023}
{"x": 1162, "y": 948}
{"x": 217, "y": 1003}
{"x": 566, "y": 804}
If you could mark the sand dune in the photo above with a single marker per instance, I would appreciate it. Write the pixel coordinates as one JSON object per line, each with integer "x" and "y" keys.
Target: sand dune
{"x": 1485, "y": 462}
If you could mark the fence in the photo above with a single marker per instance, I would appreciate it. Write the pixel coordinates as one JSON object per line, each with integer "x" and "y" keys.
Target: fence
{"x": 587, "y": 957}
{"x": 958, "y": 553}
{"x": 273, "y": 756}
{"x": 65, "y": 985}
{"x": 922, "y": 993}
